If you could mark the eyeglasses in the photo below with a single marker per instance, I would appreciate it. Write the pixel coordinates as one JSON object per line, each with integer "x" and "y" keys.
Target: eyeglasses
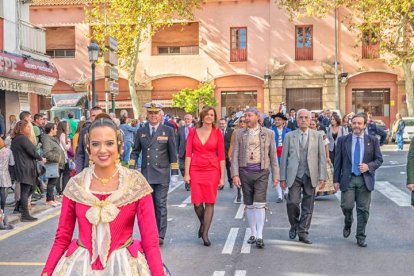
{"x": 243, "y": 121}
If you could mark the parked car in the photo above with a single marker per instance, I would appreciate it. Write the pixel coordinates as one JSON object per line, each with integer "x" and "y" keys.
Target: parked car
{"x": 409, "y": 129}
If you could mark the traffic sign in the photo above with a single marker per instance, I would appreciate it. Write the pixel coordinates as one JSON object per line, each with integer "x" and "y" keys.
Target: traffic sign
{"x": 111, "y": 72}
{"x": 111, "y": 87}
{"x": 111, "y": 43}
{"x": 111, "y": 58}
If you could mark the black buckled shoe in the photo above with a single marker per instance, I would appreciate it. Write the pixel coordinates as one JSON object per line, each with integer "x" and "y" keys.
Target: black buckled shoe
{"x": 361, "y": 243}
{"x": 346, "y": 232}
{"x": 292, "y": 233}
{"x": 251, "y": 240}
{"x": 259, "y": 243}
{"x": 187, "y": 186}
{"x": 305, "y": 240}
{"x": 161, "y": 241}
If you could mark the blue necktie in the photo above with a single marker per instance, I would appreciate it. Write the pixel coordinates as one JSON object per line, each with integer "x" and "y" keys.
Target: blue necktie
{"x": 357, "y": 157}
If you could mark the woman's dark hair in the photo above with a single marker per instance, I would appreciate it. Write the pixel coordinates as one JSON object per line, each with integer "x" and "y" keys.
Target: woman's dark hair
{"x": 80, "y": 126}
{"x": 104, "y": 120}
{"x": 49, "y": 127}
{"x": 61, "y": 128}
{"x": 18, "y": 129}
{"x": 123, "y": 120}
{"x": 336, "y": 117}
{"x": 204, "y": 113}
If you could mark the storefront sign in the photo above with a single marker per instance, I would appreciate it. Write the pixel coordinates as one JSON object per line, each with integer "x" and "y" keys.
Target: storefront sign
{"x": 27, "y": 69}
{"x": 24, "y": 86}
{"x": 118, "y": 104}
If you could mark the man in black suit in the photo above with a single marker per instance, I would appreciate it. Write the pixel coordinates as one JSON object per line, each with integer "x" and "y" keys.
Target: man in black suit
{"x": 269, "y": 121}
{"x": 159, "y": 157}
{"x": 357, "y": 157}
{"x": 292, "y": 123}
{"x": 182, "y": 142}
{"x": 227, "y": 132}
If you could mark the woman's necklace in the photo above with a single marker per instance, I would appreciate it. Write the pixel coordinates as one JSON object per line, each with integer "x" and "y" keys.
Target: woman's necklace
{"x": 103, "y": 180}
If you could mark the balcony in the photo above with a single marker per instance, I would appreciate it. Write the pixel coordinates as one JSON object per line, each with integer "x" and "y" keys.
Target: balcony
{"x": 238, "y": 55}
{"x": 370, "y": 51}
{"x": 32, "y": 38}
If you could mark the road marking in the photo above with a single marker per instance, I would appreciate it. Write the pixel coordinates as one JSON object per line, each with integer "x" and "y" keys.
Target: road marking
{"x": 393, "y": 166}
{"x": 393, "y": 193}
{"x": 231, "y": 240}
{"x": 403, "y": 173}
{"x": 187, "y": 200}
{"x": 219, "y": 273}
{"x": 240, "y": 212}
{"x": 246, "y": 247}
{"x": 29, "y": 225}
{"x": 175, "y": 187}
{"x": 21, "y": 264}
{"x": 240, "y": 273}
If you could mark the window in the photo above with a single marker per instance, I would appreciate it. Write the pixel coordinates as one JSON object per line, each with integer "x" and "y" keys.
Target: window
{"x": 376, "y": 101}
{"x": 60, "y": 42}
{"x": 178, "y": 50}
{"x": 238, "y": 41}
{"x": 309, "y": 98}
{"x": 304, "y": 42}
{"x": 61, "y": 53}
{"x": 370, "y": 45}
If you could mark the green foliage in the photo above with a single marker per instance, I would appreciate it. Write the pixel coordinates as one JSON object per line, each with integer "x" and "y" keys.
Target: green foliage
{"x": 193, "y": 100}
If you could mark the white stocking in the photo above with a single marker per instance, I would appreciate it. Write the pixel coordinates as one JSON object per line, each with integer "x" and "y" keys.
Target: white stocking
{"x": 260, "y": 218}
{"x": 251, "y": 218}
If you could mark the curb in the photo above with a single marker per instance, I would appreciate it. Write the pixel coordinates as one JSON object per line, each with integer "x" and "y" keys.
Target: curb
{"x": 36, "y": 209}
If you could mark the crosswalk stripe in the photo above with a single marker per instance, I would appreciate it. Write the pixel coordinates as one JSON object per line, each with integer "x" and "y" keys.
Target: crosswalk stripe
{"x": 240, "y": 212}
{"x": 240, "y": 273}
{"x": 393, "y": 193}
{"x": 246, "y": 247}
{"x": 187, "y": 200}
{"x": 219, "y": 273}
{"x": 231, "y": 240}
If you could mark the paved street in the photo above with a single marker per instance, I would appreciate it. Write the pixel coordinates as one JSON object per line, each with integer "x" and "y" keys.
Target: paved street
{"x": 390, "y": 246}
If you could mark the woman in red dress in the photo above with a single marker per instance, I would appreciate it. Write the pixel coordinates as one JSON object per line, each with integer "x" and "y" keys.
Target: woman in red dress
{"x": 204, "y": 168}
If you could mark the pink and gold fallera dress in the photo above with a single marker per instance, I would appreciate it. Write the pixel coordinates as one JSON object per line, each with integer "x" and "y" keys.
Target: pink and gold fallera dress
{"x": 106, "y": 221}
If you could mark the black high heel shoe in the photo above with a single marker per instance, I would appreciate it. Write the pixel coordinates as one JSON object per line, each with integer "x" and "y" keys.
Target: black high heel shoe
{"x": 206, "y": 242}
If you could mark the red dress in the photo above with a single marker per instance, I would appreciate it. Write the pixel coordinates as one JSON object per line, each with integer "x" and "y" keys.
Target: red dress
{"x": 205, "y": 165}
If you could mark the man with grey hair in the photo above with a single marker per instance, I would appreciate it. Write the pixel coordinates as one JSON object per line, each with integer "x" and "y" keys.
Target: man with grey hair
{"x": 306, "y": 168}
{"x": 182, "y": 135}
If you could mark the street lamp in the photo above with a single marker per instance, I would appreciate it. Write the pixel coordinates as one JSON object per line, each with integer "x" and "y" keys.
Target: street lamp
{"x": 93, "y": 51}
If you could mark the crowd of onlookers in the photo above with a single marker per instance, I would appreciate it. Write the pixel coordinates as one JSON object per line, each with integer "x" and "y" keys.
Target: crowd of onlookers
{"x": 39, "y": 156}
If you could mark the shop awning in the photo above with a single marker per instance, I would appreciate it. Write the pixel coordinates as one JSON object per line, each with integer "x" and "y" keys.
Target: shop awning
{"x": 27, "y": 75}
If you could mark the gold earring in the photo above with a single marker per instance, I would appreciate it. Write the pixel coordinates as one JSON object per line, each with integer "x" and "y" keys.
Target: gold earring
{"x": 118, "y": 160}
{"x": 91, "y": 163}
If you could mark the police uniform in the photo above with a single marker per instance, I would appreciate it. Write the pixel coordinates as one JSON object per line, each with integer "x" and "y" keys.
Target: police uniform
{"x": 159, "y": 155}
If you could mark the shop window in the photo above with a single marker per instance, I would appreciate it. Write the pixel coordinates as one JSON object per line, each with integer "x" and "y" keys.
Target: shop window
{"x": 180, "y": 50}
{"x": 370, "y": 45}
{"x": 376, "y": 101}
{"x": 238, "y": 44}
{"x": 304, "y": 42}
{"x": 60, "y": 42}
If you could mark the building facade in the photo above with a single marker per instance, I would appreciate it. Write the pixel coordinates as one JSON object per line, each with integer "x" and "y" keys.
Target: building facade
{"x": 249, "y": 50}
{"x": 26, "y": 73}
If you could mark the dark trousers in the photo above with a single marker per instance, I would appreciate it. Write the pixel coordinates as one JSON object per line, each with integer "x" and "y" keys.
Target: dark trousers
{"x": 359, "y": 194}
{"x": 181, "y": 165}
{"x": 228, "y": 166}
{"x": 300, "y": 217}
{"x": 159, "y": 197}
{"x": 50, "y": 190}
{"x": 65, "y": 176}
{"x": 3, "y": 197}
{"x": 25, "y": 191}
{"x": 254, "y": 186}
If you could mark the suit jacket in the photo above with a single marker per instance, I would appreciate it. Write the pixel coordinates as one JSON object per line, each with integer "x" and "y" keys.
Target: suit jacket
{"x": 268, "y": 122}
{"x": 181, "y": 141}
{"x": 292, "y": 125}
{"x": 343, "y": 161}
{"x": 290, "y": 157}
{"x": 373, "y": 130}
{"x": 159, "y": 153}
{"x": 227, "y": 139}
{"x": 267, "y": 151}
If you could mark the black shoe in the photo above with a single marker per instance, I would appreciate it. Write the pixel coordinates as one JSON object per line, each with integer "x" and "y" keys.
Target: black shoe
{"x": 346, "y": 232}
{"x": 187, "y": 186}
{"x": 259, "y": 243}
{"x": 206, "y": 242}
{"x": 28, "y": 218}
{"x": 231, "y": 185}
{"x": 161, "y": 241}
{"x": 238, "y": 199}
{"x": 251, "y": 240}
{"x": 292, "y": 233}
{"x": 221, "y": 188}
{"x": 279, "y": 200}
{"x": 361, "y": 243}
{"x": 305, "y": 240}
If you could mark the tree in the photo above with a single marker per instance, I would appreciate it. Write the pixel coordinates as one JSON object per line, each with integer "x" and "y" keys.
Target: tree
{"x": 391, "y": 22}
{"x": 131, "y": 22}
{"x": 192, "y": 100}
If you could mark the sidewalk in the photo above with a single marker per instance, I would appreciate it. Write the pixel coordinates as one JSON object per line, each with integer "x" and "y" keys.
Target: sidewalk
{"x": 38, "y": 206}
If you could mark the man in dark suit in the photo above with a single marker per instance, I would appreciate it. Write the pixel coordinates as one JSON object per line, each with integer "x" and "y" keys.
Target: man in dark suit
{"x": 159, "y": 154}
{"x": 375, "y": 131}
{"x": 357, "y": 157}
{"x": 227, "y": 132}
{"x": 269, "y": 121}
{"x": 292, "y": 123}
{"x": 182, "y": 135}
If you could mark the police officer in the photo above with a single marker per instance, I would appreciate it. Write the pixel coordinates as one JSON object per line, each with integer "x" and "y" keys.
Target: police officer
{"x": 156, "y": 143}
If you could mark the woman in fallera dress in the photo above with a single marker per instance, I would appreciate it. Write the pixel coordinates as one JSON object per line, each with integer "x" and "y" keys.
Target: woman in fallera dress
{"x": 204, "y": 168}
{"x": 105, "y": 200}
